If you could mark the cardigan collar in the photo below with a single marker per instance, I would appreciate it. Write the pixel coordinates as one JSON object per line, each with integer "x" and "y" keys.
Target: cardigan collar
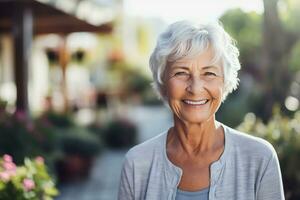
{"x": 174, "y": 172}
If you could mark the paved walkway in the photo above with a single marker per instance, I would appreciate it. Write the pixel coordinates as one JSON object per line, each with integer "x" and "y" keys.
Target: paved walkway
{"x": 105, "y": 175}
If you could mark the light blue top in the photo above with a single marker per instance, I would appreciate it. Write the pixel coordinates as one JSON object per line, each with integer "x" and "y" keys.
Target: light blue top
{"x": 197, "y": 195}
{"x": 248, "y": 169}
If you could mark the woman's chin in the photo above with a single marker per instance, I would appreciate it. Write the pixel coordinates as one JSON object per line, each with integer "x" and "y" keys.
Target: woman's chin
{"x": 196, "y": 119}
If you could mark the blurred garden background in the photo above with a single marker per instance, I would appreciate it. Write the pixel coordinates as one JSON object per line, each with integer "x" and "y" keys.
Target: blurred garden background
{"x": 75, "y": 90}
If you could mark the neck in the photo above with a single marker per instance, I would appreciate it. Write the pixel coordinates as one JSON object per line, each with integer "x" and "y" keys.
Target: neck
{"x": 196, "y": 138}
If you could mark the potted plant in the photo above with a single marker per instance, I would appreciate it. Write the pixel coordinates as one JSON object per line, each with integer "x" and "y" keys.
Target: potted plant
{"x": 120, "y": 133}
{"x": 29, "y": 181}
{"x": 80, "y": 147}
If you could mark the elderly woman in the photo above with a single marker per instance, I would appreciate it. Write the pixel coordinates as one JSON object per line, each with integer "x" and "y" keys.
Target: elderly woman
{"x": 194, "y": 69}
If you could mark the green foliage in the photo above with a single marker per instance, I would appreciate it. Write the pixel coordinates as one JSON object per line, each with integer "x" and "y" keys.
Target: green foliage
{"x": 233, "y": 110}
{"x": 79, "y": 147}
{"x": 71, "y": 139}
{"x": 120, "y": 133}
{"x": 76, "y": 147}
{"x": 284, "y": 134}
{"x": 245, "y": 28}
{"x": 137, "y": 82}
{"x": 60, "y": 120}
{"x": 80, "y": 141}
{"x": 294, "y": 61}
{"x": 3, "y": 105}
{"x": 151, "y": 99}
{"x": 50, "y": 136}
{"x": 30, "y": 181}
{"x": 53, "y": 135}
{"x": 19, "y": 137}
{"x": 289, "y": 11}
{"x": 132, "y": 79}
{"x": 96, "y": 128}
{"x": 265, "y": 83}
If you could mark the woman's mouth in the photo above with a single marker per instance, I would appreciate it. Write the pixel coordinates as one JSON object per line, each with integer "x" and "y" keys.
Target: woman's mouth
{"x": 195, "y": 102}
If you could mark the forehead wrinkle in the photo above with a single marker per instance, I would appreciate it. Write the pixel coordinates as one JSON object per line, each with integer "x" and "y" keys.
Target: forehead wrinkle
{"x": 178, "y": 64}
{"x": 193, "y": 63}
{"x": 192, "y": 66}
{"x": 211, "y": 67}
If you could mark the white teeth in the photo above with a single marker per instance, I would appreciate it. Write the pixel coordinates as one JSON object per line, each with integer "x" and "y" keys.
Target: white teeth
{"x": 196, "y": 102}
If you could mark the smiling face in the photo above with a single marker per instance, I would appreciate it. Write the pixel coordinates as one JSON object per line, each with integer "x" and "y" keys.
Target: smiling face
{"x": 194, "y": 87}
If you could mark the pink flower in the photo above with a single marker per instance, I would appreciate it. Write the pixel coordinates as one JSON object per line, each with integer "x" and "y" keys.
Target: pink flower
{"x": 4, "y": 176}
{"x": 39, "y": 160}
{"x": 9, "y": 166}
{"x": 20, "y": 115}
{"x": 11, "y": 172}
{"x": 7, "y": 158}
{"x": 28, "y": 184}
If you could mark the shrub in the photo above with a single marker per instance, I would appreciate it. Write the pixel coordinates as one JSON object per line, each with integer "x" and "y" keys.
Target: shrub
{"x": 61, "y": 120}
{"x": 19, "y": 137}
{"x": 80, "y": 141}
{"x": 120, "y": 133}
{"x": 284, "y": 134}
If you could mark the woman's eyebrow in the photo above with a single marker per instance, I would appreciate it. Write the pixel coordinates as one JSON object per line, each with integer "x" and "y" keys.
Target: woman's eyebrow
{"x": 180, "y": 67}
{"x": 210, "y": 67}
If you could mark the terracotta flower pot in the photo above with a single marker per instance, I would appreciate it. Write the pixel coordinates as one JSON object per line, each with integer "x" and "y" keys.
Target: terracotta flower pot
{"x": 74, "y": 167}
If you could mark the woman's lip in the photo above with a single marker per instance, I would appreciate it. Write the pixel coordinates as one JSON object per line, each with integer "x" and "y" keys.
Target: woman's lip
{"x": 195, "y": 102}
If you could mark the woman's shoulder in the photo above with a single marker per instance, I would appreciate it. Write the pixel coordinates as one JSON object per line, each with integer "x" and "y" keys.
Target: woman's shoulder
{"x": 249, "y": 144}
{"x": 148, "y": 148}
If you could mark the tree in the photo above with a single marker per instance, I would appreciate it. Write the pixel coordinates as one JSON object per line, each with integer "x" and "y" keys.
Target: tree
{"x": 268, "y": 46}
{"x": 278, "y": 42}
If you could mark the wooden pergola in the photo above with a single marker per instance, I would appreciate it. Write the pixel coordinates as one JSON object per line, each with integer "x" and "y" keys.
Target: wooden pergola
{"x": 25, "y": 18}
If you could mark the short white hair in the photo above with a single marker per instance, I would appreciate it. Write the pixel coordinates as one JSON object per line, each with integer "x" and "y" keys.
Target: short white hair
{"x": 185, "y": 39}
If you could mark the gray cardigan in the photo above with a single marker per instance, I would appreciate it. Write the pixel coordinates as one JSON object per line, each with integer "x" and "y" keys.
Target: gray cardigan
{"x": 248, "y": 169}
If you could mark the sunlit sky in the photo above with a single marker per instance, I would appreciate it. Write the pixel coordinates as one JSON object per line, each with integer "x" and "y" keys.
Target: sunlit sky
{"x": 203, "y": 10}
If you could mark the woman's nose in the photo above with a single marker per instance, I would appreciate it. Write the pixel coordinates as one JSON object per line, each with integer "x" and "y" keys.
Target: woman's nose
{"x": 195, "y": 85}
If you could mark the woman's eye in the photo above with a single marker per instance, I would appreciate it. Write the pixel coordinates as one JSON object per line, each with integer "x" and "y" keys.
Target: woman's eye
{"x": 181, "y": 74}
{"x": 210, "y": 74}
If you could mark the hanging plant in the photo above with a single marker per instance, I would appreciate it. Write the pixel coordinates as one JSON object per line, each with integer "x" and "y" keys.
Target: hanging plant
{"x": 52, "y": 56}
